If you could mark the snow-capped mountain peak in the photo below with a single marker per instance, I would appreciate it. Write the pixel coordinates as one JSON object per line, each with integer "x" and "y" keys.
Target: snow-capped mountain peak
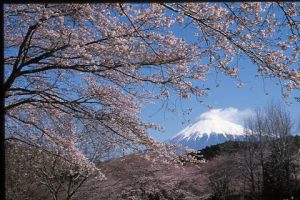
{"x": 212, "y": 128}
{"x": 209, "y": 126}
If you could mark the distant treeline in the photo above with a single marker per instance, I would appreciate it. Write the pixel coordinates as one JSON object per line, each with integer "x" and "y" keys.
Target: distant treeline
{"x": 229, "y": 147}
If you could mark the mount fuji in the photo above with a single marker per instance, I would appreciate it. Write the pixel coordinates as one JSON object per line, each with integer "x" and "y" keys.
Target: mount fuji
{"x": 211, "y": 129}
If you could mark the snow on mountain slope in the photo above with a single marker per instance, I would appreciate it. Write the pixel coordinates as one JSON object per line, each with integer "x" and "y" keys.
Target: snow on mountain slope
{"x": 210, "y": 129}
{"x": 209, "y": 126}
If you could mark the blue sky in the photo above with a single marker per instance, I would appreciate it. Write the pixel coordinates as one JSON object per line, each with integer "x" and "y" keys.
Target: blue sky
{"x": 223, "y": 93}
{"x": 255, "y": 93}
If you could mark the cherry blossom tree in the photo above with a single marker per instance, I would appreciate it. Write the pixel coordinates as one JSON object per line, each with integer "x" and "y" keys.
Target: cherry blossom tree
{"x": 32, "y": 173}
{"x": 77, "y": 75}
